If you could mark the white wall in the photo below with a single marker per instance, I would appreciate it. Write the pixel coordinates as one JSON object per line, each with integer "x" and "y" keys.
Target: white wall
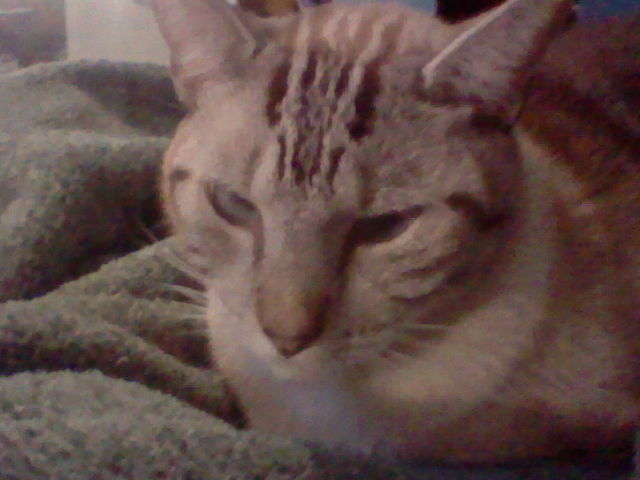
{"x": 113, "y": 29}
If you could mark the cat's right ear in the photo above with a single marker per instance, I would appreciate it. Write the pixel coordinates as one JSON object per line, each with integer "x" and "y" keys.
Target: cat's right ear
{"x": 487, "y": 64}
{"x": 207, "y": 39}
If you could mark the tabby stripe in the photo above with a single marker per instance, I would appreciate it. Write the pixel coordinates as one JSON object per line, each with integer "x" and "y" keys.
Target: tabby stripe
{"x": 334, "y": 163}
{"x": 354, "y": 90}
{"x": 370, "y": 86}
{"x": 296, "y": 166}
{"x": 282, "y": 146}
{"x": 316, "y": 157}
{"x": 309, "y": 74}
{"x": 373, "y": 38}
{"x": 306, "y": 80}
{"x": 276, "y": 92}
{"x": 361, "y": 124}
{"x": 343, "y": 80}
{"x": 300, "y": 67}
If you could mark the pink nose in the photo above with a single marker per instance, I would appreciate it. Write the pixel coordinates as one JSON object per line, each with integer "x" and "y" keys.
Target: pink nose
{"x": 288, "y": 346}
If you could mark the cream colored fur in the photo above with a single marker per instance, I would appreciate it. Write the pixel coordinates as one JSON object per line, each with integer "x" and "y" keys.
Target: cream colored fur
{"x": 468, "y": 331}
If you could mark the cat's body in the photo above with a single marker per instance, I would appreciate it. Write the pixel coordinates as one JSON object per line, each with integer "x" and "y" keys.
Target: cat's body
{"x": 384, "y": 271}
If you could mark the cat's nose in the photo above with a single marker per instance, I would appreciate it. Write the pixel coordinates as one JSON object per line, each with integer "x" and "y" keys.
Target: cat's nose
{"x": 287, "y": 345}
{"x": 292, "y": 317}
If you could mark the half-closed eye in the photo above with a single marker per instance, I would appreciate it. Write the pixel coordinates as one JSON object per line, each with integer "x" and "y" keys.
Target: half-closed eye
{"x": 383, "y": 228}
{"x": 232, "y": 207}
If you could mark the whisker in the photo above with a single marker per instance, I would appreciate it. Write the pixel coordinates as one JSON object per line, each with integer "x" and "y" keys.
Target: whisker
{"x": 177, "y": 261}
{"x": 198, "y": 315}
{"x": 399, "y": 356}
{"x": 198, "y": 297}
{"x": 199, "y": 309}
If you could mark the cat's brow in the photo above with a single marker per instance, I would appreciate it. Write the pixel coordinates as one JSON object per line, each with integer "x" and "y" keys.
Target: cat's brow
{"x": 323, "y": 96}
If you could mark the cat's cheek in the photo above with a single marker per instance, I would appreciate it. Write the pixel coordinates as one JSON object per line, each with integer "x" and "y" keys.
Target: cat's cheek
{"x": 401, "y": 284}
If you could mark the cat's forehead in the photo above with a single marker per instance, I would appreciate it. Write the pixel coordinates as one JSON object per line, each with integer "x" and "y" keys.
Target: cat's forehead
{"x": 359, "y": 33}
{"x": 324, "y": 108}
{"x": 327, "y": 75}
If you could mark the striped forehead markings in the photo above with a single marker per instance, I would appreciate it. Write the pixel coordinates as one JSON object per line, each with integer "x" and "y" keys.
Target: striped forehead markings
{"x": 347, "y": 85}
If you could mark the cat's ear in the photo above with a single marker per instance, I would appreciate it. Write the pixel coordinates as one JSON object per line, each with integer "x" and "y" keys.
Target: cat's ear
{"x": 486, "y": 64}
{"x": 207, "y": 39}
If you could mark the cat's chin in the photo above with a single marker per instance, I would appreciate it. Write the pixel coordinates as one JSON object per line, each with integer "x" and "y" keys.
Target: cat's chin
{"x": 305, "y": 396}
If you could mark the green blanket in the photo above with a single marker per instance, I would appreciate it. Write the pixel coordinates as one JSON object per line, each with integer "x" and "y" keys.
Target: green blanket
{"x": 105, "y": 372}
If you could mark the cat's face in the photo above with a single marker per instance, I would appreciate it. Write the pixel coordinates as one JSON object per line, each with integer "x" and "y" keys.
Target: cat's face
{"x": 322, "y": 182}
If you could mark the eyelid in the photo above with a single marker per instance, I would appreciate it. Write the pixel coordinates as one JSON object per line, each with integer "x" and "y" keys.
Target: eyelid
{"x": 231, "y": 206}
{"x": 384, "y": 227}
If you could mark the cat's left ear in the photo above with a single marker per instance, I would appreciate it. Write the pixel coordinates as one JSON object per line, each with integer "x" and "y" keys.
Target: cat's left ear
{"x": 207, "y": 39}
{"x": 486, "y": 64}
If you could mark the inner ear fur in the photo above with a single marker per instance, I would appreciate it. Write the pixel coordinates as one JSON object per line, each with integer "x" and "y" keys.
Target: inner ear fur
{"x": 487, "y": 63}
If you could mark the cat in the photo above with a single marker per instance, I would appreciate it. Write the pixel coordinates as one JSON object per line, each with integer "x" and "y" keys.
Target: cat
{"x": 393, "y": 263}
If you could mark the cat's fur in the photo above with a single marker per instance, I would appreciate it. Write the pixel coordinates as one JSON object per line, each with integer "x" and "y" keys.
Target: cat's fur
{"x": 390, "y": 264}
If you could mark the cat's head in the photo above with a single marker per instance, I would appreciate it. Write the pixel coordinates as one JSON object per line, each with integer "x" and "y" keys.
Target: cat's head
{"x": 349, "y": 165}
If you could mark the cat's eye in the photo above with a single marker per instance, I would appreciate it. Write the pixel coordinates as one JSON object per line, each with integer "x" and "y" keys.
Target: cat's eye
{"x": 383, "y": 228}
{"x": 235, "y": 209}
